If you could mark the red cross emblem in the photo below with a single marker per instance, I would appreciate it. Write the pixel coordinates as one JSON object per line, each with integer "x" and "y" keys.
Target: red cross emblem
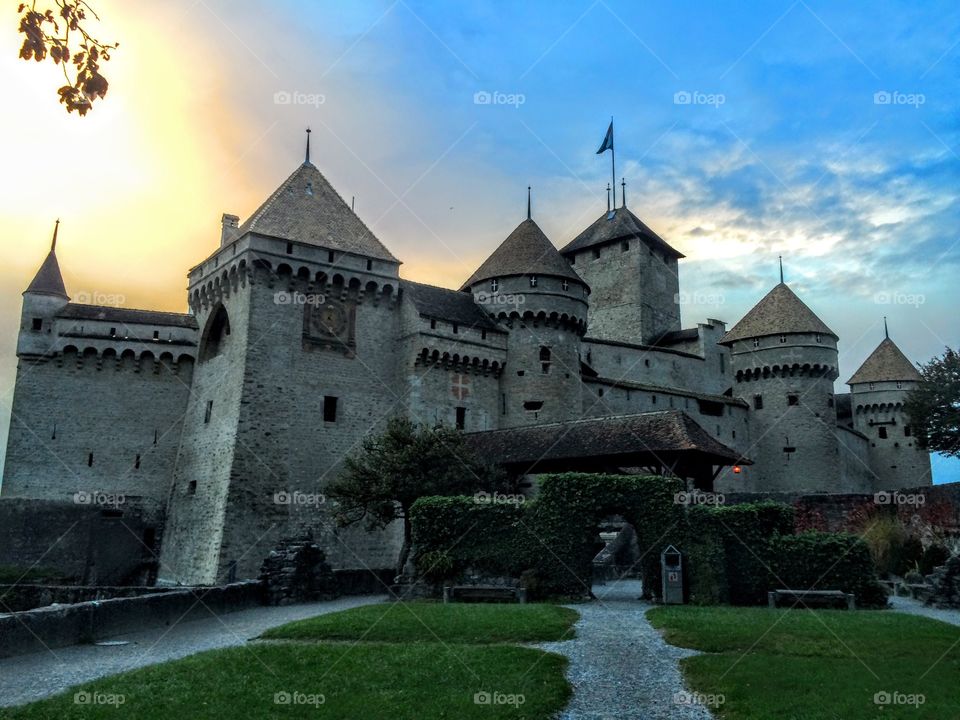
{"x": 460, "y": 387}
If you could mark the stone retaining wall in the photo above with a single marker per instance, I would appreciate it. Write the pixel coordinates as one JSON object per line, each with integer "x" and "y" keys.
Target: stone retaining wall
{"x": 62, "y": 625}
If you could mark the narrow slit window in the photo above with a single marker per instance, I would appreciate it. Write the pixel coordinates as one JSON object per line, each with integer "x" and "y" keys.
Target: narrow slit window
{"x": 208, "y": 412}
{"x": 461, "y": 418}
{"x": 329, "y": 409}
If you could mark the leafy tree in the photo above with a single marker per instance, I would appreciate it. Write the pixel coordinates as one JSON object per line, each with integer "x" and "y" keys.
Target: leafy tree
{"x": 934, "y": 405}
{"x": 59, "y": 31}
{"x": 391, "y": 471}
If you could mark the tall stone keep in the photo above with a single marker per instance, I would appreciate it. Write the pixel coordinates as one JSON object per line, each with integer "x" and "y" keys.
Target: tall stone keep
{"x": 632, "y": 274}
{"x": 295, "y": 308}
{"x": 784, "y": 360}
{"x": 534, "y": 293}
{"x": 878, "y": 389}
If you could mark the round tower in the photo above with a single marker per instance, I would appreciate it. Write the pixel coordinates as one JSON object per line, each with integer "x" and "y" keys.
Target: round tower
{"x": 784, "y": 361}
{"x": 531, "y": 291}
{"x": 878, "y": 390}
{"x": 42, "y": 300}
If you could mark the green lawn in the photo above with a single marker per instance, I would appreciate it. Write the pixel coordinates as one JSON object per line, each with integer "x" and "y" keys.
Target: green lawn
{"x": 435, "y": 622}
{"x": 823, "y": 665}
{"x": 351, "y": 674}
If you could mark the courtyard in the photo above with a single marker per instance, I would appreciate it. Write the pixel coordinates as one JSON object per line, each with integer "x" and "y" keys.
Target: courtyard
{"x": 614, "y": 658}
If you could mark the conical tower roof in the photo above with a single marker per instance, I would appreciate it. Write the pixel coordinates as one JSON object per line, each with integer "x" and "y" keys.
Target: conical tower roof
{"x": 780, "y": 312}
{"x": 48, "y": 280}
{"x": 886, "y": 363}
{"x": 306, "y": 208}
{"x": 619, "y": 224}
{"x": 526, "y": 251}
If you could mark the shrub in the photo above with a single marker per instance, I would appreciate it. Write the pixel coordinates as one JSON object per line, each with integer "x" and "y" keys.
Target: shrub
{"x": 826, "y": 561}
{"x": 885, "y": 535}
{"x": 907, "y": 556}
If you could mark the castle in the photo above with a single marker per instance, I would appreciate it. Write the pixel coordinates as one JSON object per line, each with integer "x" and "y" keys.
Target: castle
{"x": 221, "y": 426}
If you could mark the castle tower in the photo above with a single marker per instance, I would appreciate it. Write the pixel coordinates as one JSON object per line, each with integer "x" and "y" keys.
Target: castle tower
{"x": 42, "y": 300}
{"x": 632, "y": 274}
{"x": 784, "y": 361}
{"x": 878, "y": 389}
{"x": 294, "y": 308}
{"x": 531, "y": 291}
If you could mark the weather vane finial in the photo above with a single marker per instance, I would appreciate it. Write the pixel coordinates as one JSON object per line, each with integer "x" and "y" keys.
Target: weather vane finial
{"x": 307, "y": 159}
{"x": 528, "y": 202}
{"x": 780, "y": 257}
{"x": 56, "y": 226}
{"x": 608, "y": 198}
{"x": 623, "y": 196}
{"x": 886, "y": 330}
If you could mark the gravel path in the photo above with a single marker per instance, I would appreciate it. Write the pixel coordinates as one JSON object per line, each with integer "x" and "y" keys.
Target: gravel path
{"x": 620, "y": 667}
{"x": 915, "y": 607}
{"x": 26, "y": 678}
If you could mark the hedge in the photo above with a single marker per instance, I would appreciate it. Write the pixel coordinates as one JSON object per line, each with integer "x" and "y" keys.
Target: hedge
{"x": 732, "y": 554}
{"x": 826, "y": 561}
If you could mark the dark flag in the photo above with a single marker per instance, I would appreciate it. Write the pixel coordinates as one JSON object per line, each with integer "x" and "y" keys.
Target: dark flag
{"x": 607, "y": 140}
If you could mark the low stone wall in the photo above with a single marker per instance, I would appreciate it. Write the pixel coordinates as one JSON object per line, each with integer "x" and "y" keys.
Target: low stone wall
{"x": 62, "y": 625}
{"x": 16, "y": 598}
{"x": 937, "y": 505}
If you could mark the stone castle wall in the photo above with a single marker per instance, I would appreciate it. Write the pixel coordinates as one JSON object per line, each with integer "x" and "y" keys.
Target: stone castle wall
{"x": 97, "y": 423}
{"x": 634, "y": 292}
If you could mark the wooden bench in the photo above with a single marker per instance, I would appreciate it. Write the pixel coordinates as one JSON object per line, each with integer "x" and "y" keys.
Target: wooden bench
{"x": 811, "y": 597}
{"x": 484, "y": 593}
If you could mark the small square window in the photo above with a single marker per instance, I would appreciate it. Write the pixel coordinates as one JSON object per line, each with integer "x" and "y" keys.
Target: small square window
{"x": 624, "y": 246}
{"x": 783, "y": 338}
{"x": 906, "y": 431}
{"x": 758, "y": 402}
{"x": 883, "y": 433}
{"x": 433, "y": 324}
{"x": 113, "y": 332}
{"x": 38, "y": 323}
{"x": 793, "y": 400}
{"x": 156, "y": 334}
{"x": 596, "y": 253}
{"x": 329, "y": 408}
{"x": 756, "y": 342}
{"x": 192, "y": 487}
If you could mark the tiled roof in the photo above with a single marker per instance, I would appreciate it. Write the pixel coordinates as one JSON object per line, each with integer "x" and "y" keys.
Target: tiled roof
{"x": 127, "y": 316}
{"x": 618, "y": 225}
{"x": 886, "y": 363}
{"x": 306, "y": 208}
{"x": 444, "y": 304}
{"x": 779, "y": 312}
{"x": 656, "y": 432}
{"x": 526, "y": 251}
{"x": 48, "y": 280}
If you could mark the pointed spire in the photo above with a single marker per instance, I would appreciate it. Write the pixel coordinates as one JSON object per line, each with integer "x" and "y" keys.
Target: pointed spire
{"x": 608, "y": 198}
{"x": 48, "y": 280}
{"x": 307, "y": 158}
{"x": 780, "y": 257}
{"x": 623, "y": 197}
{"x": 528, "y": 202}
{"x": 886, "y": 330}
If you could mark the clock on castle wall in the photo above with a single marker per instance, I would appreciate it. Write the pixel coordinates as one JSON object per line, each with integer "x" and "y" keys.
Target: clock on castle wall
{"x": 329, "y": 324}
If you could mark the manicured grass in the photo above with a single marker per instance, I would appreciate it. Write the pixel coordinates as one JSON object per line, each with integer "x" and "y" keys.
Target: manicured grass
{"x": 379, "y": 662}
{"x": 366, "y": 681}
{"x": 436, "y": 622}
{"x": 823, "y": 665}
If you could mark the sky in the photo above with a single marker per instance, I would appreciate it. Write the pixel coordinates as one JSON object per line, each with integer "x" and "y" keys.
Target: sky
{"x": 823, "y": 132}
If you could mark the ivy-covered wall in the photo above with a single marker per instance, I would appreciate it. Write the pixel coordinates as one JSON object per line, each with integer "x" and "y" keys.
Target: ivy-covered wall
{"x": 732, "y": 554}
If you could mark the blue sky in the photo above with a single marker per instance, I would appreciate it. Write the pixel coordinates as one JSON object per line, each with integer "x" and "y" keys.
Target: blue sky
{"x": 825, "y": 132}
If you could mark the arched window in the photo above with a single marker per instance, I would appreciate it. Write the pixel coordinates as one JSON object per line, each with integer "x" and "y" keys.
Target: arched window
{"x": 544, "y": 359}
{"x": 215, "y": 334}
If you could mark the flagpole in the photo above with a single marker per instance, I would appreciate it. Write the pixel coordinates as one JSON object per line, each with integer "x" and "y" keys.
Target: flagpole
{"x": 613, "y": 164}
